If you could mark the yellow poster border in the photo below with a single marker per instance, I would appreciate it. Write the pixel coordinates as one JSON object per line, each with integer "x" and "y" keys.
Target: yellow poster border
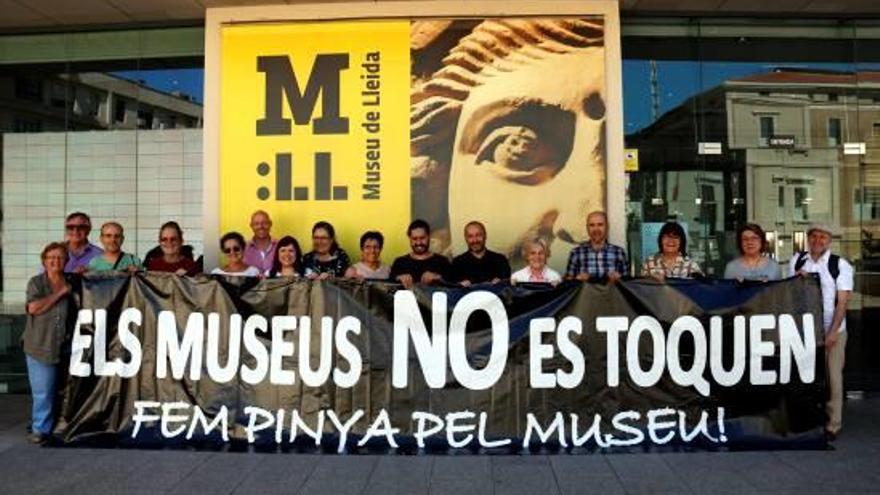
{"x": 216, "y": 18}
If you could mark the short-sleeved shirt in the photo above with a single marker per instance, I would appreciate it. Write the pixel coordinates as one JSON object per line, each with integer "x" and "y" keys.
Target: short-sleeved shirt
{"x": 262, "y": 259}
{"x": 547, "y": 276}
{"x": 829, "y": 285}
{"x": 82, "y": 258}
{"x": 407, "y": 265}
{"x": 158, "y": 264}
{"x": 366, "y": 272}
{"x": 44, "y": 334}
{"x": 768, "y": 269}
{"x": 596, "y": 263}
{"x": 335, "y": 266}
{"x": 683, "y": 267}
{"x": 100, "y": 264}
{"x": 490, "y": 266}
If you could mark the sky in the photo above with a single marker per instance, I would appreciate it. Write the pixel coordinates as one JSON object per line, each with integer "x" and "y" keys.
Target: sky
{"x": 189, "y": 81}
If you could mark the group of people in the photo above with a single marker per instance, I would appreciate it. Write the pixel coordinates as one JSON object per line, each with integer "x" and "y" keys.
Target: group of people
{"x": 49, "y": 298}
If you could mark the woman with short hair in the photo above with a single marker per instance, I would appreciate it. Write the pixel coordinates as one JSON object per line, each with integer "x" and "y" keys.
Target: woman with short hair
{"x": 49, "y": 305}
{"x": 671, "y": 260}
{"x": 232, "y": 244}
{"x": 752, "y": 262}
{"x": 536, "y": 253}
{"x": 370, "y": 267}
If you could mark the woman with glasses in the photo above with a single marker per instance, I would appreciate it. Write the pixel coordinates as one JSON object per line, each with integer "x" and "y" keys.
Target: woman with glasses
{"x": 172, "y": 256}
{"x": 326, "y": 259}
{"x": 370, "y": 267}
{"x": 752, "y": 263}
{"x": 287, "y": 260}
{"x": 232, "y": 244}
{"x": 672, "y": 260}
{"x": 49, "y": 305}
{"x": 113, "y": 258}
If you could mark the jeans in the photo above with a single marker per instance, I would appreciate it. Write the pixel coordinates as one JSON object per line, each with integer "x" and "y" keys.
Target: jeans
{"x": 42, "y": 380}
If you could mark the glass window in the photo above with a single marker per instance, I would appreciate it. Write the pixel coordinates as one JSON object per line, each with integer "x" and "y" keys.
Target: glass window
{"x": 766, "y": 130}
{"x": 117, "y": 139}
{"x": 834, "y": 132}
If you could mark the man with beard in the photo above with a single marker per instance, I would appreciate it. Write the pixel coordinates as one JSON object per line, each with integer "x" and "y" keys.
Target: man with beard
{"x": 596, "y": 259}
{"x": 420, "y": 265}
{"x": 478, "y": 264}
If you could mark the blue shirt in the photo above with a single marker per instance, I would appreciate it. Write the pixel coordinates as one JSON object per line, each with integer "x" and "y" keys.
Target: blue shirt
{"x": 76, "y": 260}
{"x": 597, "y": 263}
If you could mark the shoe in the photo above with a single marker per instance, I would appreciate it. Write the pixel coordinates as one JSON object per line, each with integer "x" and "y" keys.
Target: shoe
{"x": 37, "y": 438}
{"x": 831, "y": 436}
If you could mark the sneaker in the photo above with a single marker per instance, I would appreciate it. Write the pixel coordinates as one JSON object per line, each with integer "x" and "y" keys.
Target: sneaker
{"x": 37, "y": 438}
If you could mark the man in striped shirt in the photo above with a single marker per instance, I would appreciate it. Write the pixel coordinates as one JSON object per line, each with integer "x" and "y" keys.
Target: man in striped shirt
{"x": 596, "y": 259}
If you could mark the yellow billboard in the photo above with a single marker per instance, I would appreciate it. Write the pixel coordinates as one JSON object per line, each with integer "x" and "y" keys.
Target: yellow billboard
{"x": 315, "y": 126}
{"x": 371, "y": 124}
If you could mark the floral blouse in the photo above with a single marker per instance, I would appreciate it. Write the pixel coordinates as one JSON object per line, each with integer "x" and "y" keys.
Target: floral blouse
{"x": 683, "y": 267}
{"x": 335, "y": 266}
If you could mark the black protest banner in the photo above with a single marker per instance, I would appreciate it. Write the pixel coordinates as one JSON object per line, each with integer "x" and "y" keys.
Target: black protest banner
{"x": 337, "y": 365}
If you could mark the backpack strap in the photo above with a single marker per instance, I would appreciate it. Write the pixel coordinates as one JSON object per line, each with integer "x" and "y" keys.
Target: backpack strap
{"x": 118, "y": 260}
{"x": 801, "y": 260}
{"x": 834, "y": 266}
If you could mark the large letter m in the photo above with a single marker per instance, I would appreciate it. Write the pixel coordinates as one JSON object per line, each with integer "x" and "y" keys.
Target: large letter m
{"x": 324, "y": 80}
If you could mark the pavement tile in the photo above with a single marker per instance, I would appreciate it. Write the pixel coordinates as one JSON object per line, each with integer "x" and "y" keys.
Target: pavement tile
{"x": 646, "y": 473}
{"x": 277, "y": 474}
{"x": 402, "y": 475}
{"x": 526, "y": 475}
{"x": 219, "y": 473}
{"x": 459, "y": 475}
{"x": 576, "y": 474}
{"x": 340, "y": 475}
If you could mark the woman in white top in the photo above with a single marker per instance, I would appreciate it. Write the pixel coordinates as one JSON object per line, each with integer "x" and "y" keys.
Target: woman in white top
{"x": 537, "y": 270}
{"x": 370, "y": 267}
{"x": 232, "y": 244}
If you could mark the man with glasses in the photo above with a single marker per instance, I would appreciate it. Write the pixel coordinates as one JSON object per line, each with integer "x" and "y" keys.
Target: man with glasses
{"x": 80, "y": 251}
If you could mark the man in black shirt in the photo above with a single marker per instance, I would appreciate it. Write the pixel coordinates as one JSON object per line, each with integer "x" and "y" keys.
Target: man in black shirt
{"x": 420, "y": 265}
{"x": 478, "y": 264}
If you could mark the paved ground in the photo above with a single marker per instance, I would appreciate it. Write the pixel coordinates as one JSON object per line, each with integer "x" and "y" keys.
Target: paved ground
{"x": 853, "y": 467}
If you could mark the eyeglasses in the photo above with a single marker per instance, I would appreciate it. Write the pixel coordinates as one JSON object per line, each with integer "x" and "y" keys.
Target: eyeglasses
{"x": 234, "y": 249}
{"x": 77, "y": 226}
{"x": 169, "y": 239}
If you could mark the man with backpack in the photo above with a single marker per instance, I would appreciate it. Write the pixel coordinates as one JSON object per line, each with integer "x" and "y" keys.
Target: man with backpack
{"x": 836, "y": 280}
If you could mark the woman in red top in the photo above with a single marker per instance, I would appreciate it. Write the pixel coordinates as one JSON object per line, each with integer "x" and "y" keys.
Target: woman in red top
{"x": 173, "y": 258}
